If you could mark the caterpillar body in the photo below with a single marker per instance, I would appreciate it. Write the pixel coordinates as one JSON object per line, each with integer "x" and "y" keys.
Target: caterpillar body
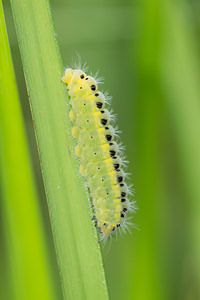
{"x": 99, "y": 153}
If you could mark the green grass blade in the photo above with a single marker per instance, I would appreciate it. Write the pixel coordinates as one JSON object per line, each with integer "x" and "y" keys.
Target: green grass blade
{"x": 146, "y": 124}
{"x": 75, "y": 237}
{"x": 181, "y": 83}
{"x": 28, "y": 274}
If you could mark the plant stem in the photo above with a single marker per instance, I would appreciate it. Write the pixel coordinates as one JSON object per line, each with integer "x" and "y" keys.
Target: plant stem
{"x": 78, "y": 252}
{"x": 27, "y": 269}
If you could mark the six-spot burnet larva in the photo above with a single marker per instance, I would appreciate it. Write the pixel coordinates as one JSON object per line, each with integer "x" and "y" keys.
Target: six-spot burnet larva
{"x": 100, "y": 160}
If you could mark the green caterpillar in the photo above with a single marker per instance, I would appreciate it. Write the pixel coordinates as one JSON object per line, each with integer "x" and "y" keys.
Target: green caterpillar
{"x": 99, "y": 154}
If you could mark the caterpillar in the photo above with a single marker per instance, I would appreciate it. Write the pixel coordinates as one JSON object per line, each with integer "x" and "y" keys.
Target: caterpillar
{"x": 100, "y": 155}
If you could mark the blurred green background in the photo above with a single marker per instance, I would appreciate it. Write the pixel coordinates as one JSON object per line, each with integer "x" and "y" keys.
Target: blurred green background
{"x": 148, "y": 54}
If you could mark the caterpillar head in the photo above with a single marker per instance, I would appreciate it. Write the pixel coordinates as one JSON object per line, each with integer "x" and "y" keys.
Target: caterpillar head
{"x": 73, "y": 76}
{"x": 81, "y": 84}
{"x": 68, "y": 76}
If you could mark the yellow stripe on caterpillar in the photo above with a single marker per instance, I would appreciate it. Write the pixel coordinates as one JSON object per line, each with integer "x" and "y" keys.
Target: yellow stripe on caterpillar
{"x": 75, "y": 132}
{"x": 72, "y": 115}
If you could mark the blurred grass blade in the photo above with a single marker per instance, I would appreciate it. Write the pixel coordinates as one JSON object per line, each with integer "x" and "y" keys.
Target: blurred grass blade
{"x": 148, "y": 114}
{"x": 28, "y": 275}
{"x": 181, "y": 76}
{"x": 75, "y": 237}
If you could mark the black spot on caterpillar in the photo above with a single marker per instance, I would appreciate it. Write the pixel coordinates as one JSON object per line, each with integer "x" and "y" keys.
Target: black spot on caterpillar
{"x": 104, "y": 121}
{"x": 99, "y": 104}
{"x": 100, "y": 161}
